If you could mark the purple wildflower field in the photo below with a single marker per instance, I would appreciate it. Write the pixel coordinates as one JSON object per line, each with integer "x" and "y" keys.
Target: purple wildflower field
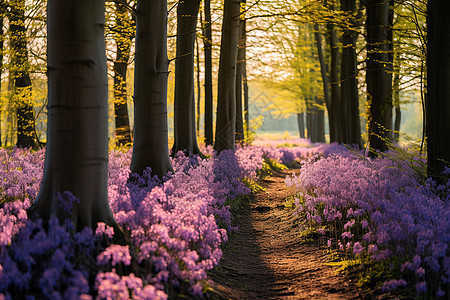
{"x": 373, "y": 211}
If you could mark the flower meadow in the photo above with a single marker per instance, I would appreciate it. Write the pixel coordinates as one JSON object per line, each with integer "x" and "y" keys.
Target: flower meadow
{"x": 381, "y": 215}
{"x": 375, "y": 211}
{"x": 176, "y": 228}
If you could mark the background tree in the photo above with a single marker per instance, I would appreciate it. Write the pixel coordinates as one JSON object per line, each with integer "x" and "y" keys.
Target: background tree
{"x": 207, "y": 40}
{"x": 26, "y": 132}
{"x": 349, "y": 76}
{"x": 150, "y": 146}
{"x": 240, "y": 69}
{"x": 3, "y": 8}
{"x": 123, "y": 33}
{"x": 438, "y": 97}
{"x": 77, "y": 148}
{"x": 379, "y": 74}
{"x": 226, "y": 96}
{"x": 185, "y": 135}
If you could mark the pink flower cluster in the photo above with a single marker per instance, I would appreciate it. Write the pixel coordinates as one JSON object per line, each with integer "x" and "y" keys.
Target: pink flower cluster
{"x": 381, "y": 209}
{"x": 176, "y": 227}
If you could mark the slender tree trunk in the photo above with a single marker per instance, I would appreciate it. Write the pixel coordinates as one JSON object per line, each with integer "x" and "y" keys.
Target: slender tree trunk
{"x": 335, "y": 101}
{"x": 349, "y": 80}
{"x": 2, "y": 17}
{"x": 26, "y": 134}
{"x": 226, "y": 102}
{"x": 438, "y": 96}
{"x": 396, "y": 97}
{"x": 379, "y": 75}
{"x": 240, "y": 76}
{"x": 77, "y": 146}
{"x": 185, "y": 135}
{"x": 326, "y": 89}
{"x": 123, "y": 46}
{"x": 199, "y": 90}
{"x": 301, "y": 124}
{"x": 207, "y": 33}
{"x": 246, "y": 107}
{"x": 150, "y": 146}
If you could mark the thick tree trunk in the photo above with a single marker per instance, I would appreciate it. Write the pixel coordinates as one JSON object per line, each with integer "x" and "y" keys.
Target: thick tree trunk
{"x": 77, "y": 145}
{"x": 226, "y": 102}
{"x": 438, "y": 96}
{"x": 26, "y": 134}
{"x": 310, "y": 123}
{"x": 325, "y": 82}
{"x": 185, "y": 135}
{"x": 301, "y": 124}
{"x": 320, "y": 121}
{"x": 349, "y": 80}
{"x": 207, "y": 33}
{"x": 240, "y": 77}
{"x": 123, "y": 47}
{"x": 379, "y": 75}
{"x": 150, "y": 146}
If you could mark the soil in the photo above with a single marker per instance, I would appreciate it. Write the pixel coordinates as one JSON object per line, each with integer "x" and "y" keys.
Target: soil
{"x": 267, "y": 259}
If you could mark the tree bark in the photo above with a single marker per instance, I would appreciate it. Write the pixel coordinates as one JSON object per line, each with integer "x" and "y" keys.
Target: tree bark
{"x": 379, "y": 75}
{"x": 185, "y": 135}
{"x": 2, "y": 17}
{"x": 325, "y": 82}
{"x": 77, "y": 146}
{"x": 199, "y": 90}
{"x": 26, "y": 134}
{"x": 438, "y": 87}
{"x": 226, "y": 102}
{"x": 123, "y": 46}
{"x": 335, "y": 101}
{"x": 396, "y": 97}
{"x": 150, "y": 146}
{"x": 207, "y": 33}
{"x": 301, "y": 125}
{"x": 349, "y": 79}
{"x": 240, "y": 75}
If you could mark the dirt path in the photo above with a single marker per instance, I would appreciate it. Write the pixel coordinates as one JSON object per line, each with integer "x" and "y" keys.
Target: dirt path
{"x": 266, "y": 260}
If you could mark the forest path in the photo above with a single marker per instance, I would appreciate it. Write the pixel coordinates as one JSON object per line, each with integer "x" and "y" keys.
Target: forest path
{"x": 265, "y": 258}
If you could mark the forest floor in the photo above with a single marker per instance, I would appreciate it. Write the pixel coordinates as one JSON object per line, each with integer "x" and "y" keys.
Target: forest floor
{"x": 267, "y": 259}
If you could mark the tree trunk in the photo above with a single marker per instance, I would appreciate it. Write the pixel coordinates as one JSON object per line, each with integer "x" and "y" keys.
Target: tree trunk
{"x": 438, "y": 96}
{"x": 320, "y": 121}
{"x": 379, "y": 75}
{"x": 349, "y": 80}
{"x": 123, "y": 46}
{"x": 199, "y": 90}
{"x": 326, "y": 89}
{"x": 26, "y": 134}
{"x": 240, "y": 76}
{"x": 246, "y": 108}
{"x": 301, "y": 124}
{"x": 396, "y": 97}
{"x": 335, "y": 101}
{"x": 226, "y": 102}
{"x": 77, "y": 146}
{"x": 185, "y": 135}
{"x": 207, "y": 34}
{"x": 150, "y": 146}
{"x": 2, "y": 17}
